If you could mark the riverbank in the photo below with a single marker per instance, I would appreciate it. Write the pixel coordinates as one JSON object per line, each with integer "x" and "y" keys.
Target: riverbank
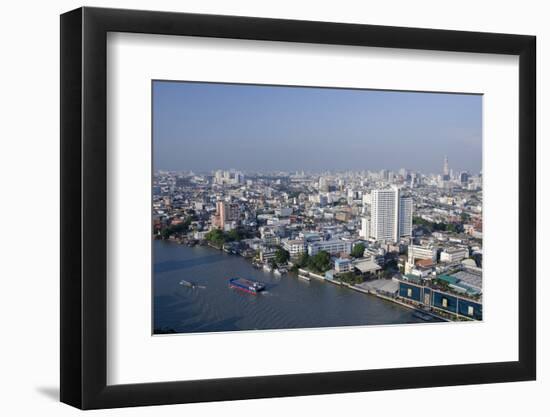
{"x": 287, "y": 303}
{"x": 370, "y": 290}
{"x": 306, "y": 274}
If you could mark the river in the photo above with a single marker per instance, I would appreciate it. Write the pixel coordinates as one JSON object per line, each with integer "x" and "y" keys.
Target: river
{"x": 287, "y": 303}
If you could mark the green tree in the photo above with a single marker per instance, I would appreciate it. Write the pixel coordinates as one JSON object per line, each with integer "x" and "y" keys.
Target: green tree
{"x": 390, "y": 268}
{"x": 350, "y": 278}
{"x": 421, "y": 221}
{"x": 215, "y": 236}
{"x": 391, "y": 264}
{"x": 358, "y": 250}
{"x": 439, "y": 226}
{"x": 301, "y": 262}
{"x": 281, "y": 256}
{"x": 426, "y": 225}
{"x": 174, "y": 229}
{"x": 442, "y": 284}
{"x": 454, "y": 227}
{"x": 165, "y": 233}
{"x": 233, "y": 235}
{"x": 320, "y": 262}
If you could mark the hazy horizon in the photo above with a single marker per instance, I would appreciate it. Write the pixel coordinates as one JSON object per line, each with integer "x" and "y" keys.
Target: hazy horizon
{"x": 207, "y": 126}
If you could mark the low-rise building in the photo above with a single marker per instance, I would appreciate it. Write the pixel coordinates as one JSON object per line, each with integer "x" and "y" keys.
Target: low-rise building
{"x": 342, "y": 265}
{"x": 334, "y": 247}
{"x": 283, "y": 211}
{"x": 267, "y": 253}
{"x": 295, "y": 247}
{"x": 452, "y": 255}
{"x": 415, "y": 252}
{"x": 367, "y": 265}
{"x": 414, "y": 291}
{"x": 424, "y": 272}
{"x": 200, "y": 235}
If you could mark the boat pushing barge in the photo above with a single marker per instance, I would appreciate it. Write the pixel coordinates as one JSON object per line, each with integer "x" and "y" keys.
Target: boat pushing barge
{"x": 246, "y": 285}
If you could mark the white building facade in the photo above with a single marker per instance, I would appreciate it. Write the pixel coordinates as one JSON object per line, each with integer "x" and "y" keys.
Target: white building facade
{"x": 294, "y": 247}
{"x": 333, "y": 247}
{"x": 415, "y": 252}
{"x": 391, "y": 214}
{"x": 383, "y": 214}
{"x": 452, "y": 255}
{"x": 365, "y": 228}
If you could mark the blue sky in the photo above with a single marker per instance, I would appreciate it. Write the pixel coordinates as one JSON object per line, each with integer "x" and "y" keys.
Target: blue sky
{"x": 206, "y": 126}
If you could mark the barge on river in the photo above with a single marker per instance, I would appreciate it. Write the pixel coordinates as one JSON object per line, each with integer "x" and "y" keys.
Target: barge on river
{"x": 246, "y": 285}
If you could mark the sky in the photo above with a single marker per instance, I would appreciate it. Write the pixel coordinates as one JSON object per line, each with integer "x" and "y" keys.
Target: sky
{"x": 253, "y": 128}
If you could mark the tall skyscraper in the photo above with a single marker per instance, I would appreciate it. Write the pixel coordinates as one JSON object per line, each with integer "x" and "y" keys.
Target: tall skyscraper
{"x": 383, "y": 214}
{"x": 404, "y": 215}
{"x": 391, "y": 214}
{"x": 446, "y": 173}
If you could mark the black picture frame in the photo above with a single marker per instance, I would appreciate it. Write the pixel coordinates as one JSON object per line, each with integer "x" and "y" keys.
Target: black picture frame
{"x": 84, "y": 207}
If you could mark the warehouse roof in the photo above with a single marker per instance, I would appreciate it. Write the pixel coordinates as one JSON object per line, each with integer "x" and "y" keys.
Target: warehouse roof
{"x": 366, "y": 266}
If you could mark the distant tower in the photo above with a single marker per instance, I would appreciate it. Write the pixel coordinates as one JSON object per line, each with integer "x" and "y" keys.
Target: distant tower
{"x": 446, "y": 176}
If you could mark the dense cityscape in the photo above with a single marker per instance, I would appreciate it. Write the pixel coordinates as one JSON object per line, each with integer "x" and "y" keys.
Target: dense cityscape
{"x": 407, "y": 237}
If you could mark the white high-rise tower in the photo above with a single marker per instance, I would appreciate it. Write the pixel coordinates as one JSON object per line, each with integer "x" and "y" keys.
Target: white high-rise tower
{"x": 404, "y": 226}
{"x": 391, "y": 214}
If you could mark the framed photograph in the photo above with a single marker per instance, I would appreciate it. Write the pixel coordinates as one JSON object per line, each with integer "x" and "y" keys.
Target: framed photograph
{"x": 260, "y": 208}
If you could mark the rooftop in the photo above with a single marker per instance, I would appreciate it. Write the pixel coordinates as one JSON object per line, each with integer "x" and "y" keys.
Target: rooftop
{"x": 471, "y": 279}
{"x": 424, "y": 262}
{"x": 448, "y": 279}
{"x": 412, "y": 278}
{"x": 366, "y": 265}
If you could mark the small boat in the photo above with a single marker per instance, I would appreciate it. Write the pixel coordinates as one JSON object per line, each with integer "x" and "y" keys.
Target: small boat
{"x": 267, "y": 268}
{"x": 187, "y": 284}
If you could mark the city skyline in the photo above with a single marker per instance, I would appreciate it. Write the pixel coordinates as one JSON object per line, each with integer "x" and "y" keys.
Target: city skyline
{"x": 205, "y": 126}
{"x": 292, "y": 207}
{"x": 456, "y": 171}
